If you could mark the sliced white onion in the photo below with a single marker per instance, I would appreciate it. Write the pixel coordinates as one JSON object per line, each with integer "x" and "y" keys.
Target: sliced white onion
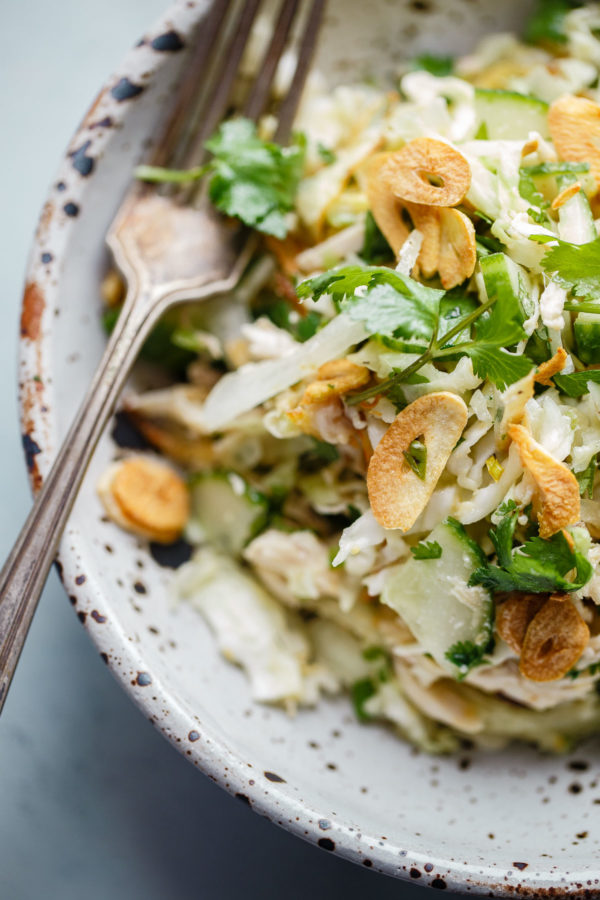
{"x": 252, "y": 384}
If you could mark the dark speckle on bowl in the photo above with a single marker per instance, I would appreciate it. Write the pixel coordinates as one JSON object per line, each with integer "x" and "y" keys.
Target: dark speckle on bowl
{"x": 326, "y": 844}
{"x": 31, "y": 450}
{"x": 125, "y": 89}
{"x": 81, "y": 161}
{"x": 272, "y": 776}
{"x": 71, "y": 209}
{"x": 46, "y": 258}
{"x": 170, "y": 42}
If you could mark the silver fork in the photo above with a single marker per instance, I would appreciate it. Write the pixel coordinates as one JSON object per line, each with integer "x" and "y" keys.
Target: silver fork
{"x": 170, "y": 248}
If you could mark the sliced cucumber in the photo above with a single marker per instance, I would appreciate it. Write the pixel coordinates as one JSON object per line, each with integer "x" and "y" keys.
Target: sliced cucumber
{"x": 586, "y": 329}
{"x": 509, "y": 116}
{"x": 505, "y": 280}
{"x": 575, "y": 219}
{"x": 226, "y": 511}
{"x": 435, "y": 601}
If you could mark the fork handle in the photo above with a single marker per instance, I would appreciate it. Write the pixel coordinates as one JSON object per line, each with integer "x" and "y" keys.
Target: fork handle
{"x": 25, "y": 571}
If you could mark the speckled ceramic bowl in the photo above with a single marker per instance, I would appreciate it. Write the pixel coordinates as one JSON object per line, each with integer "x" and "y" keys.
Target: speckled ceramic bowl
{"x": 493, "y": 824}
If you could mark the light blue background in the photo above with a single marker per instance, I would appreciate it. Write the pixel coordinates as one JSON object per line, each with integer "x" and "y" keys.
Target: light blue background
{"x": 93, "y": 802}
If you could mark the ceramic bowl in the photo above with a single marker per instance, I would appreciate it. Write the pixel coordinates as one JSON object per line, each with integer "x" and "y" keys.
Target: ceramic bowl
{"x": 503, "y": 823}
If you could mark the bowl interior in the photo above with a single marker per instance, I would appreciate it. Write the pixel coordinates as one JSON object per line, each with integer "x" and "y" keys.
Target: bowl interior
{"x": 480, "y": 821}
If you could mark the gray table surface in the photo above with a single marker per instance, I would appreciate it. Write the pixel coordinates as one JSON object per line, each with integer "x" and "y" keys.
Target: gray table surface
{"x": 94, "y": 803}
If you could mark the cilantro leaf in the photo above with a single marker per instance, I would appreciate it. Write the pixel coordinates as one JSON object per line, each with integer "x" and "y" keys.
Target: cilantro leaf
{"x": 465, "y": 655}
{"x": 585, "y": 479}
{"x": 558, "y": 168}
{"x": 497, "y": 365}
{"x": 500, "y": 328}
{"x": 547, "y": 22}
{"x": 360, "y": 692}
{"x": 387, "y": 312}
{"x": 253, "y": 179}
{"x": 575, "y": 267}
{"x": 393, "y": 304}
{"x": 427, "y": 550}
{"x": 327, "y": 155}
{"x": 538, "y": 566}
{"x": 435, "y": 65}
{"x": 576, "y": 384}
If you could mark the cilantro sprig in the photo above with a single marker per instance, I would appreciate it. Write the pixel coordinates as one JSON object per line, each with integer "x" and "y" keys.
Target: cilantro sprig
{"x": 575, "y": 267}
{"x": 251, "y": 179}
{"x": 427, "y": 550}
{"x": 393, "y": 305}
{"x": 537, "y": 566}
{"x": 465, "y": 655}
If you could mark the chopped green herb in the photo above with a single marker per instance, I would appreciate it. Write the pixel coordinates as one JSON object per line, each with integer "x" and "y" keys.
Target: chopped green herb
{"x": 360, "y": 692}
{"x": 416, "y": 457}
{"x": 558, "y": 168}
{"x": 375, "y": 653}
{"x": 537, "y": 566}
{"x": 465, "y": 655}
{"x": 585, "y": 479}
{"x": 539, "y": 217}
{"x": 319, "y": 455}
{"x": 439, "y": 66}
{"x": 327, "y": 155}
{"x": 576, "y": 384}
{"x": 547, "y": 22}
{"x": 251, "y": 179}
{"x": 426, "y": 550}
{"x": 308, "y": 326}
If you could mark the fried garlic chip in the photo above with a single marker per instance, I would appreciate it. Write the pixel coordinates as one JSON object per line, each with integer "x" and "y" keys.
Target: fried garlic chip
{"x": 514, "y": 615}
{"x": 546, "y": 370}
{"x": 427, "y": 171}
{"x": 574, "y": 124}
{"x": 336, "y": 377}
{"x": 147, "y": 497}
{"x": 559, "y": 502}
{"x": 397, "y": 494}
{"x": 554, "y": 641}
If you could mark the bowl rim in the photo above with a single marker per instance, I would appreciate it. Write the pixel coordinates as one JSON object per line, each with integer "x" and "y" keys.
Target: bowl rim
{"x": 263, "y": 792}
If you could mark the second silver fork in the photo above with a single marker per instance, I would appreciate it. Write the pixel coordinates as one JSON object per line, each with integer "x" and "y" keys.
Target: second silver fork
{"x": 168, "y": 252}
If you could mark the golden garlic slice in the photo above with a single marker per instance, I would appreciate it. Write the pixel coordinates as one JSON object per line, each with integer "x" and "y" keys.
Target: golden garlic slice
{"x": 336, "y": 377}
{"x": 458, "y": 251}
{"x": 397, "y": 495}
{"x": 147, "y": 497}
{"x": 427, "y": 171}
{"x": 559, "y": 502}
{"x": 513, "y": 616}
{"x": 574, "y": 124}
{"x": 551, "y": 367}
{"x": 554, "y": 641}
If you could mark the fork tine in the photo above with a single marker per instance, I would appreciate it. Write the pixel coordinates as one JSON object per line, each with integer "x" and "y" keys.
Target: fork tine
{"x": 259, "y": 94}
{"x": 289, "y": 105}
{"x": 210, "y": 118}
{"x": 174, "y": 126}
